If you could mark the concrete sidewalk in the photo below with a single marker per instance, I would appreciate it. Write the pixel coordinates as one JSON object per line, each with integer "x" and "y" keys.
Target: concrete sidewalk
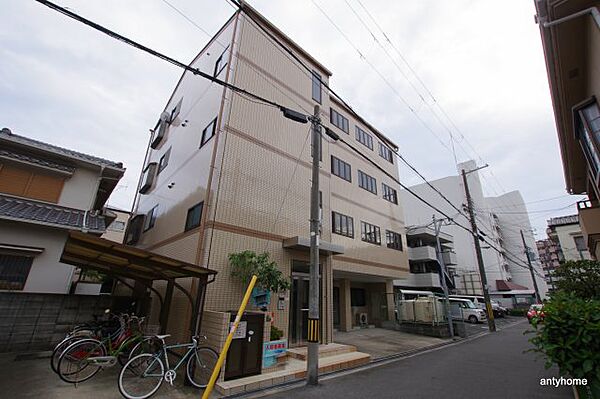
{"x": 379, "y": 342}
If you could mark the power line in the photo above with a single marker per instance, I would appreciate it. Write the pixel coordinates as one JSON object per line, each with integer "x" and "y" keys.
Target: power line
{"x": 236, "y": 89}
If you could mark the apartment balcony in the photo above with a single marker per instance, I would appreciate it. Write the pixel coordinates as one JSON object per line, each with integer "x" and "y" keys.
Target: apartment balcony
{"x": 589, "y": 219}
{"x": 421, "y": 280}
{"x": 422, "y": 253}
{"x": 449, "y": 258}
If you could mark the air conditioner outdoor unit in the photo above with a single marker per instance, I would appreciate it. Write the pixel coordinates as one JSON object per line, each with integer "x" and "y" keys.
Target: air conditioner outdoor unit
{"x": 363, "y": 319}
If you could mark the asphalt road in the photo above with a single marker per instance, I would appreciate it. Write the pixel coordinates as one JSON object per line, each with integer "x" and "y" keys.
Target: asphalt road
{"x": 492, "y": 366}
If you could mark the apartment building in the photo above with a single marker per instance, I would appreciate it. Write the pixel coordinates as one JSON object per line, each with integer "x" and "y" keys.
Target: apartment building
{"x": 570, "y": 32}
{"x": 45, "y": 191}
{"x": 423, "y": 260}
{"x": 500, "y": 219}
{"x": 550, "y": 258}
{"x": 225, "y": 173}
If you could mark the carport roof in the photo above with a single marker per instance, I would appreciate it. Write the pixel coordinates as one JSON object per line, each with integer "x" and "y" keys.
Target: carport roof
{"x": 90, "y": 252}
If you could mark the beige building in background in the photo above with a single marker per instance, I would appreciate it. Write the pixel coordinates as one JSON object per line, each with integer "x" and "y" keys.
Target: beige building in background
{"x": 224, "y": 173}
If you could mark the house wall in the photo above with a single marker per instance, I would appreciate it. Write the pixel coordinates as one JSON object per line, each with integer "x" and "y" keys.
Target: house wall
{"x": 566, "y": 237}
{"x": 79, "y": 190}
{"x": 47, "y": 273}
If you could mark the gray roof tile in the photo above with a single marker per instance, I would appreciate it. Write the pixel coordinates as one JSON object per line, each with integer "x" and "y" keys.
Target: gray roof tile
{"x": 36, "y": 160}
{"x": 39, "y": 212}
{"x": 6, "y": 134}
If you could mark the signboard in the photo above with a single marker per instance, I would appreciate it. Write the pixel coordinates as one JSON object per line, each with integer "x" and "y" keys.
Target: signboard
{"x": 271, "y": 350}
{"x": 241, "y": 330}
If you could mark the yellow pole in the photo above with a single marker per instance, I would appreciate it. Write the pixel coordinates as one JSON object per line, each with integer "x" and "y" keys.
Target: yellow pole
{"x": 223, "y": 355}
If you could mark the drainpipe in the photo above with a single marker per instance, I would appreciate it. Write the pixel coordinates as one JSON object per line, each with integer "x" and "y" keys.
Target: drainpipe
{"x": 592, "y": 10}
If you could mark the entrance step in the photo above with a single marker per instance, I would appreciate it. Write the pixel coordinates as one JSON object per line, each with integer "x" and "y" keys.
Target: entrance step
{"x": 294, "y": 370}
{"x": 328, "y": 350}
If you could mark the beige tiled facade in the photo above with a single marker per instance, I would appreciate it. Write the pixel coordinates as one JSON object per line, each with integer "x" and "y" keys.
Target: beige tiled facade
{"x": 253, "y": 178}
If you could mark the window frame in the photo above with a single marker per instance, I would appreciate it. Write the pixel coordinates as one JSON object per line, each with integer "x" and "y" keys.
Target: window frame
{"x": 384, "y": 151}
{"x": 367, "y": 182}
{"x": 388, "y": 192}
{"x": 164, "y": 158}
{"x": 317, "y": 88}
{"x": 589, "y": 142}
{"x": 219, "y": 68}
{"x": 22, "y": 274}
{"x": 335, "y": 117}
{"x": 188, "y": 226}
{"x": 150, "y": 219}
{"x": 344, "y": 221}
{"x": 362, "y": 136}
{"x": 392, "y": 245}
{"x": 148, "y": 177}
{"x": 367, "y": 229}
{"x": 347, "y": 169}
{"x": 204, "y": 139}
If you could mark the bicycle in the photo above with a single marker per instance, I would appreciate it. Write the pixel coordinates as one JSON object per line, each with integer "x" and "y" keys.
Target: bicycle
{"x": 143, "y": 374}
{"x": 82, "y": 359}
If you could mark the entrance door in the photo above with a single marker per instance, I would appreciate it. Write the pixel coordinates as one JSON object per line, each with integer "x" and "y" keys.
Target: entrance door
{"x": 299, "y": 303}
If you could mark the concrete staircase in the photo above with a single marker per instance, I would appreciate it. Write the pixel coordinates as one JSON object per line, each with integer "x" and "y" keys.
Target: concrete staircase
{"x": 332, "y": 357}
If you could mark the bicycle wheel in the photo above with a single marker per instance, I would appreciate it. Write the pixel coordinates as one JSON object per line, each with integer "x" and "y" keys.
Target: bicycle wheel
{"x": 74, "y": 364}
{"x": 141, "y": 376}
{"x": 200, "y": 366}
{"x": 59, "y": 349}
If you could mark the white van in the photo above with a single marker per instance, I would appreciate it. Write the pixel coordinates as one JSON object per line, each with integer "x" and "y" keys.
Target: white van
{"x": 467, "y": 309}
{"x": 479, "y": 301}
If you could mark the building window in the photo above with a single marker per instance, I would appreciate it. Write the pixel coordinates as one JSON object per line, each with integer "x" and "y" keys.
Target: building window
{"x": 208, "y": 132}
{"x": 386, "y": 153}
{"x": 316, "y": 87}
{"x": 150, "y": 218}
{"x": 14, "y": 270}
{"x": 339, "y": 120}
{"x": 358, "y": 297}
{"x": 342, "y": 224}
{"x": 580, "y": 244}
{"x": 364, "y": 138}
{"x": 148, "y": 177}
{"x": 389, "y": 193}
{"x": 175, "y": 112}
{"x": 159, "y": 131}
{"x": 370, "y": 233}
{"x": 341, "y": 169}
{"x": 367, "y": 182}
{"x": 194, "y": 215}
{"x": 588, "y": 132}
{"x": 164, "y": 161}
{"x": 221, "y": 62}
{"x": 393, "y": 240}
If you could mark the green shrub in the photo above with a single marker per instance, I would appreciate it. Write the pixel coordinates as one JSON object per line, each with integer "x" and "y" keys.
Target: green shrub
{"x": 569, "y": 336}
{"x": 276, "y": 333}
{"x": 582, "y": 278}
{"x": 521, "y": 312}
{"x": 247, "y": 263}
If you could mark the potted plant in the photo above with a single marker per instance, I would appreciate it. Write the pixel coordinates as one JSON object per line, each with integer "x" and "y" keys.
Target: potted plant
{"x": 245, "y": 264}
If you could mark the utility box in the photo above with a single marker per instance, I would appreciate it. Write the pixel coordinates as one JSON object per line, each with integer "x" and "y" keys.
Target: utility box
{"x": 244, "y": 357}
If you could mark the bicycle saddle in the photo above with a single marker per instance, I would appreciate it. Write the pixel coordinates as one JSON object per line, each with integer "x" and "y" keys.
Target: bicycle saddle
{"x": 163, "y": 336}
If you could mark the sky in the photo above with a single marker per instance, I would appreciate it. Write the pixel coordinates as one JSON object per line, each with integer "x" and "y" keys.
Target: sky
{"x": 470, "y": 68}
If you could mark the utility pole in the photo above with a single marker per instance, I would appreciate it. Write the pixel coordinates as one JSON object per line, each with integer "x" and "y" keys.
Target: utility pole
{"x": 535, "y": 286}
{"x": 437, "y": 224}
{"x": 475, "y": 232}
{"x": 312, "y": 374}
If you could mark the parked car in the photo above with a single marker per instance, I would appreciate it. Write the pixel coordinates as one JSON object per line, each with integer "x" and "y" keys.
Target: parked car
{"x": 479, "y": 302}
{"x": 535, "y": 311}
{"x": 467, "y": 309}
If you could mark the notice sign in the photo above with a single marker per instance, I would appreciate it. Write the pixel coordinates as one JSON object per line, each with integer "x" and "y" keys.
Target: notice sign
{"x": 271, "y": 350}
{"x": 241, "y": 330}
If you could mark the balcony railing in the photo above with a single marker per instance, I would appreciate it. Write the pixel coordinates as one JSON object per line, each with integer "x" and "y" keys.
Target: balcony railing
{"x": 589, "y": 219}
{"x": 422, "y": 253}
